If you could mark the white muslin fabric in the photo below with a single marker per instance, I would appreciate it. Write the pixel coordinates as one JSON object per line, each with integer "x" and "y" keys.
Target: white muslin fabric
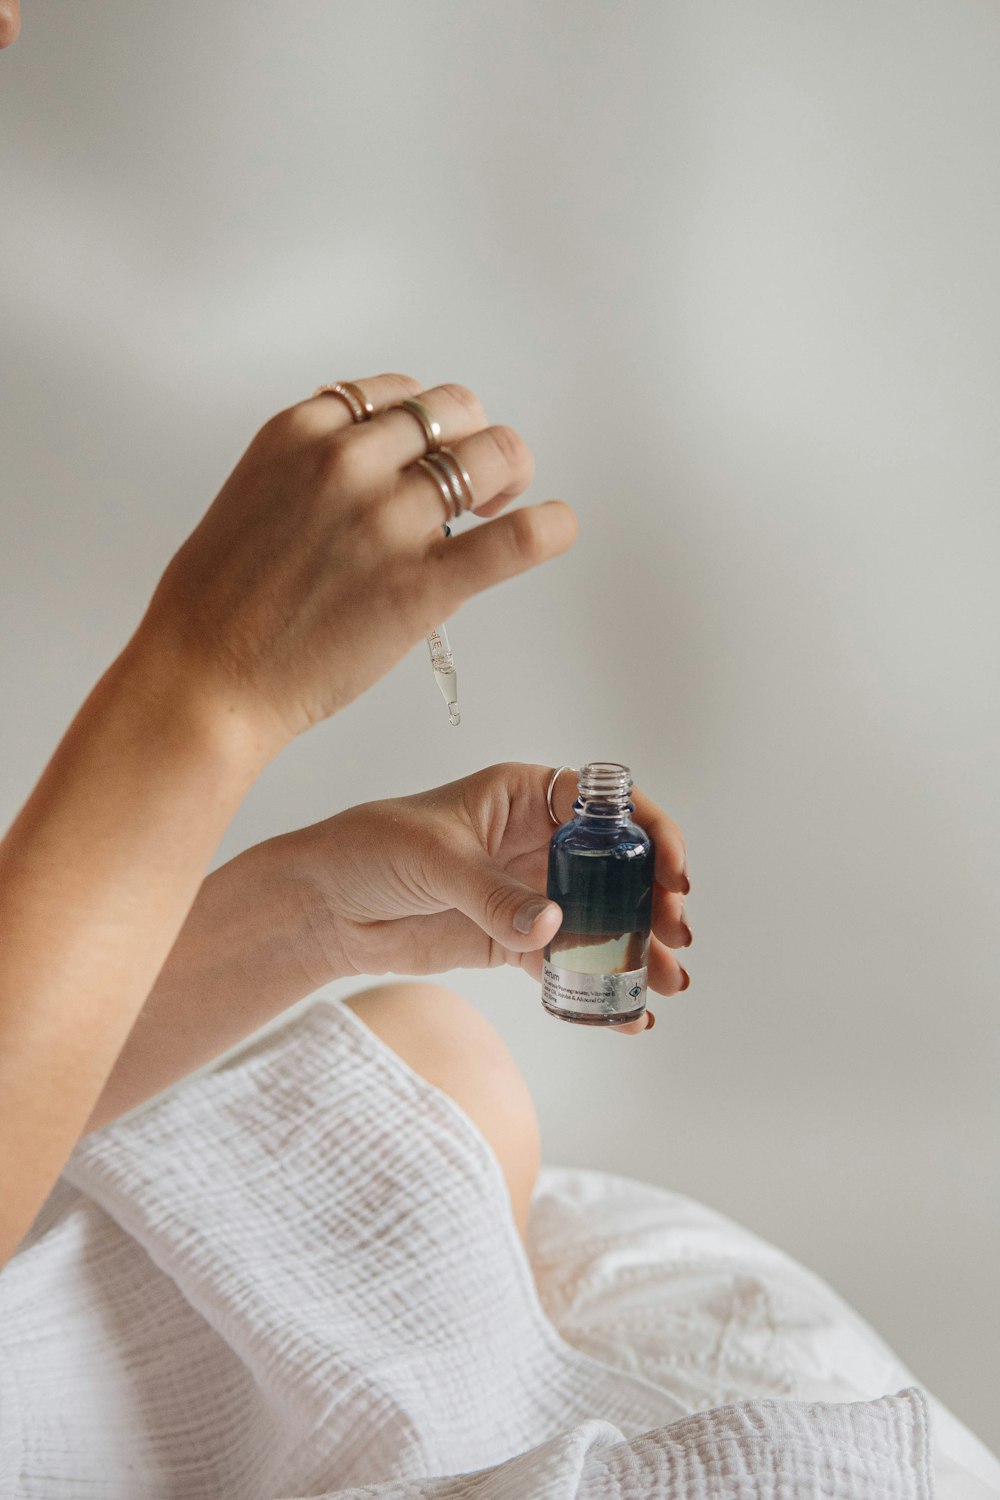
{"x": 299, "y": 1275}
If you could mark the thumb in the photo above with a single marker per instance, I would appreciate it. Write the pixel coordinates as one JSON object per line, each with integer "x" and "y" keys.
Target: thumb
{"x": 512, "y": 913}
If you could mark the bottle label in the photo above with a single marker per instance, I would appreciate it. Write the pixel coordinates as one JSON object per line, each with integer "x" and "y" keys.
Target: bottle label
{"x": 593, "y": 994}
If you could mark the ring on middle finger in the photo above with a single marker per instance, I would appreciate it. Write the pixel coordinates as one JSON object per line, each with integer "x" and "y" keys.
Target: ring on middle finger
{"x": 460, "y": 481}
{"x": 429, "y": 424}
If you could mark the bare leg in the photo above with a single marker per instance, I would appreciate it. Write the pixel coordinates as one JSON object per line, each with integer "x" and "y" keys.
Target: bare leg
{"x": 449, "y": 1043}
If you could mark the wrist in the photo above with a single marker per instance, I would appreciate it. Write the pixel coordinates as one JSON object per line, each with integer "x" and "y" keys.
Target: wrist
{"x": 298, "y": 870}
{"x": 176, "y": 696}
{"x": 244, "y": 955}
{"x": 259, "y": 914}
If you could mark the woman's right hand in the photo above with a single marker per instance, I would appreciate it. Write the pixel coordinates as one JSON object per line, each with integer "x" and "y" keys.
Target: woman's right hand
{"x": 322, "y": 559}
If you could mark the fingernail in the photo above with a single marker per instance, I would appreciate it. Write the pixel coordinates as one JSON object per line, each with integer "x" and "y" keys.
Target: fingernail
{"x": 687, "y": 977}
{"x": 650, "y": 1020}
{"x": 688, "y": 934}
{"x": 528, "y": 915}
{"x": 686, "y": 887}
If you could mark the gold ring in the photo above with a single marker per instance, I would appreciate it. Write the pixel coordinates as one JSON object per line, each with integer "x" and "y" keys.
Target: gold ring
{"x": 461, "y": 482}
{"x": 429, "y": 425}
{"x": 353, "y": 397}
{"x": 447, "y": 495}
{"x": 351, "y": 388}
{"x": 552, "y": 786}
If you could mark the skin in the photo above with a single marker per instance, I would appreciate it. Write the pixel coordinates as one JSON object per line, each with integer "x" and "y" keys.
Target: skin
{"x": 450, "y": 1044}
{"x": 10, "y": 21}
{"x": 319, "y": 565}
{"x": 413, "y": 885}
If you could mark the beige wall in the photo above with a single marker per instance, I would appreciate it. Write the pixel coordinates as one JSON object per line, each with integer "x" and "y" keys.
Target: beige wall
{"x": 732, "y": 270}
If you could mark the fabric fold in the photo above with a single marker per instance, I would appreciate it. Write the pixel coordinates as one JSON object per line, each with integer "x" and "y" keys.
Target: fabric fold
{"x": 299, "y": 1275}
{"x": 757, "y": 1451}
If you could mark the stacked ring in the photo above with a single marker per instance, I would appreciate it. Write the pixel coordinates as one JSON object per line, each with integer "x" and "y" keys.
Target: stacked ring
{"x": 429, "y": 424}
{"x": 442, "y": 478}
{"x": 451, "y": 478}
{"x": 460, "y": 481}
{"x": 353, "y": 397}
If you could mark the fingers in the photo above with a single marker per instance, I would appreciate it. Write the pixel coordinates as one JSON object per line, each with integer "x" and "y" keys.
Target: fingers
{"x": 401, "y": 438}
{"x": 511, "y": 912}
{"x": 477, "y": 559}
{"x": 665, "y": 977}
{"x": 498, "y": 462}
{"x": 666, "y": 974}
{"x": 525, "y": 786}
{"x": 671, "y": 854}
{"x": 394, "y": 438}
{"x": 385, "y": 449}
{"x": 670, "y": 920}
{"x": 329, "y": 413}
{"x": 671, "y": 851}
{"x": 646, "y": 1022}
{"x": 10, "y": 22}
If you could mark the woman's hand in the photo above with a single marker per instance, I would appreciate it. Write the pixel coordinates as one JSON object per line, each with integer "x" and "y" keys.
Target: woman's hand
{"x": 322, "y": 560}
{"x": 412, "y": 885}
{"x": 455, "y": 878}
{"x": 319, "y": 564}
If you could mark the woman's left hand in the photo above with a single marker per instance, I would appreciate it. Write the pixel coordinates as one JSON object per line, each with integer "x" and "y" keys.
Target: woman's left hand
{"x": 455, "y": 878}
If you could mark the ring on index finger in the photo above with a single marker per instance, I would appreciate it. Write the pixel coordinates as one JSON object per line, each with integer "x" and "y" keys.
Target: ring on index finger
{"x": 353, "y": 397}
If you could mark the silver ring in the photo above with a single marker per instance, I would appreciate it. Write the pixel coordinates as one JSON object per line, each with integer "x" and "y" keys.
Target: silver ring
{"x": 461, "y": 481}
{"x": 456, "y": 490}
{"x": 447, "y": 494}
{"x": 552, "y": 786}
{"x": 429, "y": 424}
{"x": 353, "y": 397}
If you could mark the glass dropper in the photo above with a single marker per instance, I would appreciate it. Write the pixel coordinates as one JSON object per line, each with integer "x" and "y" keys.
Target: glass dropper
{"x": 443, "y": 662}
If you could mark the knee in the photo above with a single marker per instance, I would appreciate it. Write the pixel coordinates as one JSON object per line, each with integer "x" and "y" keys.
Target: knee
{"x": 445, "y": 1039}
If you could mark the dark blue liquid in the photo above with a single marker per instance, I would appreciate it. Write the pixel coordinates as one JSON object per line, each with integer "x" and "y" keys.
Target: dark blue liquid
{"x": 601, "y": 874}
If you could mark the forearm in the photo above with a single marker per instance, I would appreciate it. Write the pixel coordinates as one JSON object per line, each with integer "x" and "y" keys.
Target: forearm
{"x": 97, "y": 875}
{"x": 246, "y": 952}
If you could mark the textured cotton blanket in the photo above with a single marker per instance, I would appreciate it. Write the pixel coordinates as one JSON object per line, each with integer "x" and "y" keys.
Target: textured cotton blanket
{"x": 299, "y": 1276}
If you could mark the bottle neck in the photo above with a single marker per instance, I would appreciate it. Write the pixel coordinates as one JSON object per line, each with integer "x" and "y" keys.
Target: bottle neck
{"x": 603, "y": 792}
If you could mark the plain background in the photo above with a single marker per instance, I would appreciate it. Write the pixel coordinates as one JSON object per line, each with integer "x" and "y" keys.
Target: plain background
{"x": 731, "y": 268}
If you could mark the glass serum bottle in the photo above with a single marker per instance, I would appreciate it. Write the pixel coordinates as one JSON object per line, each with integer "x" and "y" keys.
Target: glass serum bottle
{"x": 601, "y": 874}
